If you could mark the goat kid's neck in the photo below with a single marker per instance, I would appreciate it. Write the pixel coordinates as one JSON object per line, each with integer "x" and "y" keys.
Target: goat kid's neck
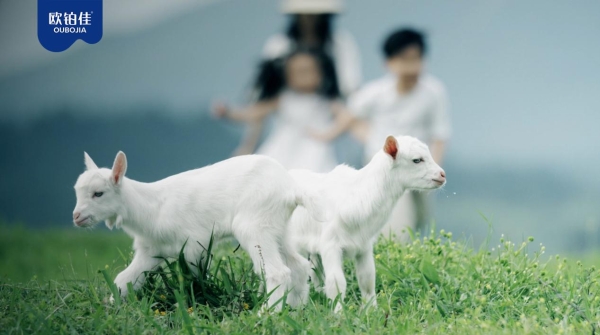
{"x": 377, "y": 177}
{"x": 378, "y": 188}
{"x": 141, "y": 204}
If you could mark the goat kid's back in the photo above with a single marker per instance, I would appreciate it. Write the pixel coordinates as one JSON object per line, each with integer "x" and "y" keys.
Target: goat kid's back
{"x": 244, "y": 185}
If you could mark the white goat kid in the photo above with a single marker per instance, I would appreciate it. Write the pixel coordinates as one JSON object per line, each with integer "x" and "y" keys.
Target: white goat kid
{"x": 248, "y": 197}
{"x": 362, "y": 201}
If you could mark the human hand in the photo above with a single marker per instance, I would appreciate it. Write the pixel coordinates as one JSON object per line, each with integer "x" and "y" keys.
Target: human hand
{"x": 241, "y": 151}
{"x": 319, "y": 135}
{"x": 219, "y": 110}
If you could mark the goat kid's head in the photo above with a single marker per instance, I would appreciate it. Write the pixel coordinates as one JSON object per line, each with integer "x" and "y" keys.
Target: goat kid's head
{"x": 98, "y": 192}
{"x": 413, "y": 164}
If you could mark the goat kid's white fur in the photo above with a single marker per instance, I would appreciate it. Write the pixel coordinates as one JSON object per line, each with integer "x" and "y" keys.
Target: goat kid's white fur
{"x": 249, "y": 197}
{"x": 362, "y": 201}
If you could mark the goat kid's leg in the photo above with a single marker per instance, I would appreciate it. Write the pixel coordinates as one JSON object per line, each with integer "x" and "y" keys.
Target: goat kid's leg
{"x": 335, "y": 282}
{"x": 316, "y": 271}
{"x": 263, "y": 248}
{"x": 300, "y": 269}
{"x": 365, "y": 272}
{"x": 134, "y": 273}
{"x": 196, "y": 252}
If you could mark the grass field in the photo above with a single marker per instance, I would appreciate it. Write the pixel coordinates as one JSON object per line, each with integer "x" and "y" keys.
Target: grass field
{"x": 58, "y": 282}
{"x": 59, "y": 254}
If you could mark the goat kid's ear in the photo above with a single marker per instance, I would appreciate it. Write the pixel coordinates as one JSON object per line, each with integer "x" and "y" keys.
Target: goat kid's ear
{"x": 89, "y": 163}
{"x": 119, "y": 168}
{"x": 391, "y": 146}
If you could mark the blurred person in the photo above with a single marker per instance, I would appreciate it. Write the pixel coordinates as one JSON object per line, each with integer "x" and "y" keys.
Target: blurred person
{"x": 311, "y": 27}
{"x": 406, "y": 101}
{"x": 302, "y": 91}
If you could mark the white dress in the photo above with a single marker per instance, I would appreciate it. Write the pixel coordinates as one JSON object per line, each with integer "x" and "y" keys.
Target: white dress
{"x": 289, "y": 141}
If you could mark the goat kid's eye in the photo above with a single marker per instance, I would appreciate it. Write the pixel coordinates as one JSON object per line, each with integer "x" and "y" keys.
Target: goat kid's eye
{"x": 418, "y": 160}
{"x": 98, "y": 194}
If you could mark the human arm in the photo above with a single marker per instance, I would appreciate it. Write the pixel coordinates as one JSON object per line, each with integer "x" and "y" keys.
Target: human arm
{"x": 438, "y": 148}
{"x": 254, "y": 113}
{"x": 253, "y": 116}
{"x": 343, "y": 120}
{"x": 250, "y": 139}
{"x": 360, "y": 130}
{"x": 362, "y": 106}
{"x": 440, "y": 126}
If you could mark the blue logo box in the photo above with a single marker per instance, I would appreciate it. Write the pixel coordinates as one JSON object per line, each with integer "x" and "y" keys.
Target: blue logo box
{"x": 62, "y": 22}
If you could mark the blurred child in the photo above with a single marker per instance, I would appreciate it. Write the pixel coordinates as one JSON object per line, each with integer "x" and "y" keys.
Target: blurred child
{"x": 302, "y": 91}
{"x": 404, "y": 102}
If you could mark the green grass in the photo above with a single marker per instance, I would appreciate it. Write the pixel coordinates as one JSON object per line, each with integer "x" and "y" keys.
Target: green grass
{"x": 59, "y": 253}
{"x": 433, "y": 285}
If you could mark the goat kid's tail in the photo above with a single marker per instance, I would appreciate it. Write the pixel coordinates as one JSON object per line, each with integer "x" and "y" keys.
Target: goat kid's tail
{"x": 315, "y": 205}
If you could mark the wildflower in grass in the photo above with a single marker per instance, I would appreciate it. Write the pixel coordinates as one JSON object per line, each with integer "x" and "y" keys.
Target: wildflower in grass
{"x": 190, "y": 310}
{"x": 162, "y": 297}
{"x": 246, "y": 306}
{"x": 163, "y": 313}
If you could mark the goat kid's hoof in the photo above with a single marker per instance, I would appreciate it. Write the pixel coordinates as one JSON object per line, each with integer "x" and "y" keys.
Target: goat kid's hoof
{"x": 109, "y": 301}
{"x": 338, "y": 308}
{"x": 264, "y": 310}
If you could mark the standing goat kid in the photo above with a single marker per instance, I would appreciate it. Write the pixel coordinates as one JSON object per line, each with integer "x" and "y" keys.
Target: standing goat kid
{"x": 248, "y": 197}
{"x": 362, "y": 201}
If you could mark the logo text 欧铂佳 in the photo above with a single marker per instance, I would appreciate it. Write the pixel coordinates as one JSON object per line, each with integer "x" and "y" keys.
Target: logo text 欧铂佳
{"x": 70, "y": 22}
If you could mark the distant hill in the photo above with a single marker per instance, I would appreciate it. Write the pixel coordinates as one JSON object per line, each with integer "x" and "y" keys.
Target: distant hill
{"x": 41, "y": 161}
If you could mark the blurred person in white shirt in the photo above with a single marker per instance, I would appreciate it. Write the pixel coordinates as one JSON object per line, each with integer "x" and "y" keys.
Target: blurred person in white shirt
{"x": 406, "y": 101}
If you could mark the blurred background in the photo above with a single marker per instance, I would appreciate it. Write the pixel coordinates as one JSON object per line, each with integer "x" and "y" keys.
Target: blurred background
{"x": 523, "y": 79}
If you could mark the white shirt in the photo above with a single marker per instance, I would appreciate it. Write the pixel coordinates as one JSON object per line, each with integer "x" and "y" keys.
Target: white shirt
{"x": 345, "y": 56}
{"x": 422, "y": 113}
